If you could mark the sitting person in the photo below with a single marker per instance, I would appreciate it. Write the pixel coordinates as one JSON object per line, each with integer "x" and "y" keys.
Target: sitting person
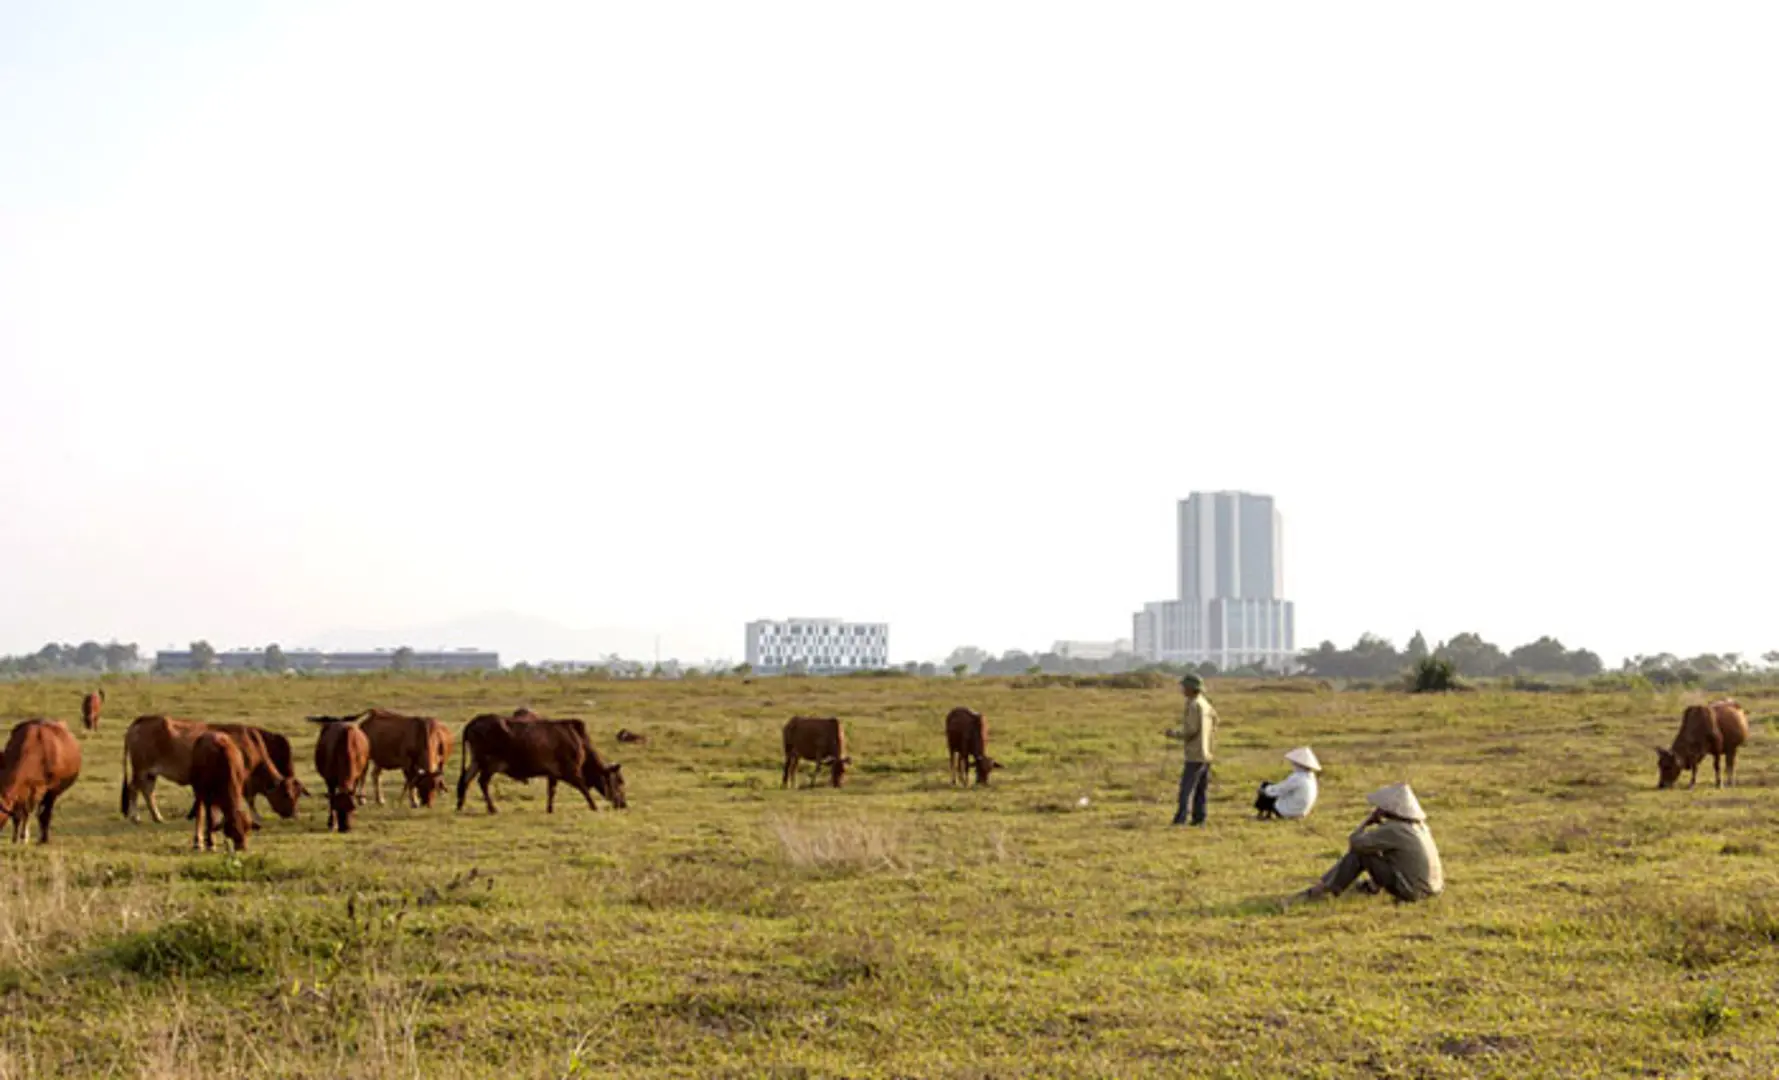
{"x": 1393, "y": 847}
{"x": 1295, "y": 795}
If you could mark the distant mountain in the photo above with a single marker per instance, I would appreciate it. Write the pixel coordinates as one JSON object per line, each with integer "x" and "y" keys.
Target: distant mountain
{"x": 515, "y": 636}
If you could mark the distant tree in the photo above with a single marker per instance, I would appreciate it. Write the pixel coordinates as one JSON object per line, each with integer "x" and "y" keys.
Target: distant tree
{"x": 1035, "y": 669}
{"x": 1417, "y": 650}
{"x": 1585, "y": 664}
{"x": 1706, "y": 664}
{"x": 1772, "y": 658}
{"x": 402, "y": 659}
{"x": 744, "y": 670}
{"x": 911, "y": 667}
{"x": 1472, "y": 655}
{"x": 50, "y": 656}
{"x": 203, "y": 656}
{"x": 1324, "y": 661}
{"x": 1541, "y": 657}
{"x": 274, "y": 661}
{"x": 960, "y": 670}
{"x": 90, "y": 654}
{"x": 1375, "y": 658}
{"x": 120, "y": 657}
{"x": 968, "y": 655}
{"x": 927, "y": 671}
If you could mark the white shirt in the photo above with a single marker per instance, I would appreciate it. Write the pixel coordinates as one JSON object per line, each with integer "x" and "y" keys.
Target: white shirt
{"x": 1295, "y": 795}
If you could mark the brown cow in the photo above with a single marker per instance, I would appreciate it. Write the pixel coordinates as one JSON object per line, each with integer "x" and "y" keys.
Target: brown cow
{"x": 417, "y": 745}
{"x": 269, "y": 769}
{"x": 89, "y": 709}
{"x": 218, "y": 775}
{"x": 42, "y": 760}
{"x": 157, "y": 746}
{"x": 1718, "y": 729}
{"x": 966, "y": 734}
{"x": 816, "y": 739}
{"x": 524, "y": 747}
{"x": 341, "y": 756}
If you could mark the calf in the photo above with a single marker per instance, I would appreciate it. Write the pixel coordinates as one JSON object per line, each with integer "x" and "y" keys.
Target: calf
{"x": 525, "y": 747}
{"x": 42, "y": 760}
{"x": 419, "y": 746}
{"x": 966, "y": 734}
{"x": 1718, "y": 729}
{"x": 817, "y": 739}
{"x": 218, "y": 781}
{"x": 341, "y": 756}
{"x": 89, "y": 709}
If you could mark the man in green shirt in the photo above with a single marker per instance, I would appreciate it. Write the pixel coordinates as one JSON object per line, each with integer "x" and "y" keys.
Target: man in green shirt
{"x": 1200, "y": 733}
{"x": 1393, "y": 847}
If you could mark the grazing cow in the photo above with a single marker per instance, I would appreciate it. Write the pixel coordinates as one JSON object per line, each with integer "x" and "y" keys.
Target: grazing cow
{"x": 42, "y": 760}
{"x": 417, "y": 745}
{"x": 341, "y": 756}
{"x": 218, "y": 783}
{"x": 816, "y": 739}
{"x": 89, "y": 709}
{"x": 966, "y": 733}
{"x": 525, "y": 747}
{"x": 269, "y": 769}
{"x": 1718, "y": 729}
{"x": 625, "y": 735}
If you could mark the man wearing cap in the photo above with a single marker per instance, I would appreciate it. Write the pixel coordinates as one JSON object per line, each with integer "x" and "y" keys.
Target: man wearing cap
{"x": 1200, "y": 733}
{"x": 1295, "y": 795}
{"x": 1393, "y": 847}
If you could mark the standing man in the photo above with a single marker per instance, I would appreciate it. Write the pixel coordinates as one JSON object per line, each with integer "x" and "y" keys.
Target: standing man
{"x": 1200, "y": 733}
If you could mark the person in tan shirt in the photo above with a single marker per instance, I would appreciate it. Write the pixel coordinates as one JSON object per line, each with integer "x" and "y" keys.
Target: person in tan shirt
{"x": 1200, "y": 733}
{"x": 1393, "y": 848}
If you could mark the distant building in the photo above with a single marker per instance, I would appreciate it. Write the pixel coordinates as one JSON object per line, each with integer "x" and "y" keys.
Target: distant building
{"x": 1231, "y": 610}
{"x": 817, "y": 646}
{"x": 1091, "y": 650}
{"x": 171, "y": 660}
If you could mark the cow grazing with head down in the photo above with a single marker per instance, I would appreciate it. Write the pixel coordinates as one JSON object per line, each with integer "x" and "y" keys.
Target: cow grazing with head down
{"x": 42, "y": 760}
{"x": 527, "y": 746}
{"x": 89, "y": 709}
{"x": 419, "y": 746}
{"x": 817, "y": 739}
{"x": 270, "y": 771}
{"x": 966, "y": 736}
{"x": 342, "y": 754}
{"x": 1718, "y": 729}
{"x": 218, "y": 776}
{"x": 158, "y": 746}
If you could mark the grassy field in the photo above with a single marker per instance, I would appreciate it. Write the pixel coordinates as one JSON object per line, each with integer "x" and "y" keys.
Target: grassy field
{"x": 899, "y": 927}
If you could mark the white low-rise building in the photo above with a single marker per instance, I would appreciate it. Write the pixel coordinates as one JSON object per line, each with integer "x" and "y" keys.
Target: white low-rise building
{"x": 816, "y": 646}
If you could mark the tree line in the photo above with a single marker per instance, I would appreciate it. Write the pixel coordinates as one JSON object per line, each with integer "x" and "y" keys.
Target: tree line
{"x": 88, "y": 657}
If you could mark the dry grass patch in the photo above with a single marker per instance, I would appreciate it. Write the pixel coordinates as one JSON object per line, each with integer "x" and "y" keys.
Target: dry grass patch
{"x": 856, "y": 843}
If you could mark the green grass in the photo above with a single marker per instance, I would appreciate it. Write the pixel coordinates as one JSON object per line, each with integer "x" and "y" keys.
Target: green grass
{"x": 900, "y": 927}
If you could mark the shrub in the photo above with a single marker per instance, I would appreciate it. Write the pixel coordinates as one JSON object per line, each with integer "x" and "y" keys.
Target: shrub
{"x": 1433, "y": 675}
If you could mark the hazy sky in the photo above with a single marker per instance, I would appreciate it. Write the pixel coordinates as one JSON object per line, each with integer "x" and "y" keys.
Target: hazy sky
{"x": 669, "y": 316}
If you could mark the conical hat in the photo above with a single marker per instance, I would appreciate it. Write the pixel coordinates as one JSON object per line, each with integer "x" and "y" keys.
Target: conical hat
{"x": 1397, "y": 800}
{"x": 1305, "y": 757}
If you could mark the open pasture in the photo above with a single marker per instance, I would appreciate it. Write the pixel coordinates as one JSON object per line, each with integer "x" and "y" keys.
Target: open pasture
{"x": 901, "y": 927}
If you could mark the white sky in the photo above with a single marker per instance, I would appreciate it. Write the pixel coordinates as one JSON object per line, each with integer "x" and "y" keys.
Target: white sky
{"x": 669, "y": 316}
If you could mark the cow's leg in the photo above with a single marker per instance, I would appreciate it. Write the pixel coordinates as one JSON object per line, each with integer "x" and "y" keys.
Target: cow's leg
{"x": 550, "y": 796}
{"x": 43, "y": 815}
{"x": 377, "y": 783}
{"x": 463, "y": 778}
{"x": 154, "y": 807}
{"x": 199, "y": 820}
{"x": 586, "y": 791}
{"x": 411, "y": 790}
{"x": 1716, "y": 771}
{"x": 1694, "y": 782}
{"x": 790, "y": 765}
{"x": 1729, "y": 766}
{"x": 487, "y": 796}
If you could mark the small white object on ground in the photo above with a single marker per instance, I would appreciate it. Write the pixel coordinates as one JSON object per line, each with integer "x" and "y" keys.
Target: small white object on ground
{"x": 1083, "y": 801}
